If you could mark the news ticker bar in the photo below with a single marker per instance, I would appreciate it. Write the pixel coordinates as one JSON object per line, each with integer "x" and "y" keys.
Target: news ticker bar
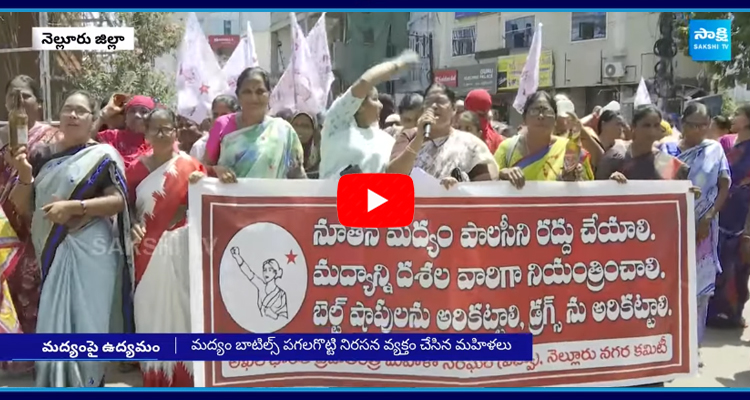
{"x": 271, "y": 347}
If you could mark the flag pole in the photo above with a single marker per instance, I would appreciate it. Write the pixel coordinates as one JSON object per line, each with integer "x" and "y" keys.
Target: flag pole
{"x": 294, "y": 58}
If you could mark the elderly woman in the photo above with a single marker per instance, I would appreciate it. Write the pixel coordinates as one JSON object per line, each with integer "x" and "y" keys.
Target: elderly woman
{"x": 72, "y": 190}
{"x": 308, "y": 129}
{"x": 250, "y": 143}
{"x": 709, "y": 171}
{"x": 162, "y": 286}
{"x": 351, "y": 136}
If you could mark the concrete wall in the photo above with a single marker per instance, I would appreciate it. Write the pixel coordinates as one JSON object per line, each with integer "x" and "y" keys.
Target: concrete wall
{"x": 488, "y": 37}
{"x": 630, "y": 38}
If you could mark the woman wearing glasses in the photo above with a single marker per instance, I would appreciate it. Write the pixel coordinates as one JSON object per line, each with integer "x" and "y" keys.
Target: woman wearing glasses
{"x": 161, "y": 301}
{"x": 709, "y": 170}
{"x": 72, "y": 190}
{"x": 537, "y": 154}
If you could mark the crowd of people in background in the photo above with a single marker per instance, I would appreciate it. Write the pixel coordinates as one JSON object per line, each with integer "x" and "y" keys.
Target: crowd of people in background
{"x": 115, "y": 175}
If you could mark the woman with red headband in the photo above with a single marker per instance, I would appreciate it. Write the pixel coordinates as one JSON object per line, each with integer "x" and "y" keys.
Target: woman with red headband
{"x": 129, "y": 142}
{"x": 479, "y": 101}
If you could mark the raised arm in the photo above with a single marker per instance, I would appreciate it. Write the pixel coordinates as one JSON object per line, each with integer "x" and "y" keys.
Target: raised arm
{"x": 246, "y": 270}
{"x": 382, "y": 72}
{"x": 343, "y": 109}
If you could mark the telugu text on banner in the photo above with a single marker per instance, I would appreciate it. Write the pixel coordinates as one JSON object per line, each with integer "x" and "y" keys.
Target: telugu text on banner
{"x": 601, "y": 274}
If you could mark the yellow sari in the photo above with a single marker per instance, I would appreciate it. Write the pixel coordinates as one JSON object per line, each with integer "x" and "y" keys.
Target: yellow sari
{"x": 9, "y": 254}
{"x": 544, "y": 165}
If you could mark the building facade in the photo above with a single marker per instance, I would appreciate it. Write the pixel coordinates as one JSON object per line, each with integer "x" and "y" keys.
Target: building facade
{"x": 593, "y": 57}
{"x": 223, "y": 31}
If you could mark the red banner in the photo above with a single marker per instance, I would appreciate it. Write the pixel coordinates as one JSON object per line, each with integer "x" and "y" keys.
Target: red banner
{"x": 448, "y": 77}
{"x": 601, "y": 274}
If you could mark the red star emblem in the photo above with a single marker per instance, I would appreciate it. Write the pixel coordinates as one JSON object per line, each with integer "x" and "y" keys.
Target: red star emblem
{"x": 204, "y": 89}
{"x": 291, "y": 258}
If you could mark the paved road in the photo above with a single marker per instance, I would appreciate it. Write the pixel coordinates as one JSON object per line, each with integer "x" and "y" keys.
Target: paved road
{"x": 726, "y": 355}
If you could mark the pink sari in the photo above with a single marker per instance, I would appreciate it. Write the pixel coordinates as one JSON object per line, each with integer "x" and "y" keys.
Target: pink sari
{"x": 21, "y": 278}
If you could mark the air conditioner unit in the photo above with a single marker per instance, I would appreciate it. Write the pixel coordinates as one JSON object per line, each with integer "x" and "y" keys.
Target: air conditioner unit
{"x": 614, "y": 70}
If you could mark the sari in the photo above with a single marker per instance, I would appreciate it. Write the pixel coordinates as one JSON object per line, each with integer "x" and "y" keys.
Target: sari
{"x": 441, "y": 156}
{"x": 270, "y": 150}
{"x": 79, "y": 266}
{"x": 161, "y": 300}
{"x": 130, "y": 145}
{"x": 10, "y": 247}
{"x": 727, "y": 142}
{"x": 707, "y": 164}
{"x": 20, "y": 276}
{"x": 653, "y": 166}
{"x": 546, "y": 164}
{"x": 726, "y": 306}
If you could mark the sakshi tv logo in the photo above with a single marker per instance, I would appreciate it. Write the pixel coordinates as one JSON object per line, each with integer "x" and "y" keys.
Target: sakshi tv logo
{"x": 711, "y": 40}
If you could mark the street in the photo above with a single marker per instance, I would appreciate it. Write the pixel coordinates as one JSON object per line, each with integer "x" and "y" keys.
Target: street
{"x": 726, "y": 355}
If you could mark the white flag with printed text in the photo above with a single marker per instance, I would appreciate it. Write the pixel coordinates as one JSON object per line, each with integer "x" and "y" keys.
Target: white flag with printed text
{"x": 529, "y": 82}
{"x": 317, "y": 40}
{"x": 244, "y": 56}
{"x": 298, "y": 88}
{"x": 199, "y": 76}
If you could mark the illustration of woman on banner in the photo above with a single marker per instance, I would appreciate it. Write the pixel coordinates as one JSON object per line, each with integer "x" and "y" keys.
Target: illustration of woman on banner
{"x": 272, "y": 301}
{"x": 158, "y": 186}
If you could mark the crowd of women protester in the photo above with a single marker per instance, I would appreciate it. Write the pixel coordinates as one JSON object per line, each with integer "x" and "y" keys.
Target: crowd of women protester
{"x": 118, "y": 178}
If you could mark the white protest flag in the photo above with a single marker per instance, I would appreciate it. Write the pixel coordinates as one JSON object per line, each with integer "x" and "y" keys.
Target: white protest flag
{"x": 298, "y": 88}
{"x": 641, "y": 95}
{"x": 199, "y": 77}
{"x": 529, "y": 81}
{"x": 244, "y": 56}
{"x": 317, "y": 40}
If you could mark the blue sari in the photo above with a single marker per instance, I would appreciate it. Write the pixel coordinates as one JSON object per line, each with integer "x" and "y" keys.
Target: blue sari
{"x": 707, "y": 164}
{"x": 79, "y": 266}
{"x": 727, "y": 305}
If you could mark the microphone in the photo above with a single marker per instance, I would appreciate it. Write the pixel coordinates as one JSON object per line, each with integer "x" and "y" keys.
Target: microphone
{"x": 428, "y": 126}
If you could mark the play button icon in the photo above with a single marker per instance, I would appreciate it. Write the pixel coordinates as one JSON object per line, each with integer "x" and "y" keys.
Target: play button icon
{"x": 374, "y": 200}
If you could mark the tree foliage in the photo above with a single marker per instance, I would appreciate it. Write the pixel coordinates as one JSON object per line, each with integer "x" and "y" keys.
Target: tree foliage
{"x": 731, "y": 72}
{"x": 134, "y": 72}
{"x": 727, "y": 105}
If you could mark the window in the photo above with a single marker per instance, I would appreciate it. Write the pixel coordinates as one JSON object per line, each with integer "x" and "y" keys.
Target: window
{"x": 227, "y": 27}
{"x": 519, "y": 32}
{"x": 464, "y": 40}
{"x": 588, "y": 25}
